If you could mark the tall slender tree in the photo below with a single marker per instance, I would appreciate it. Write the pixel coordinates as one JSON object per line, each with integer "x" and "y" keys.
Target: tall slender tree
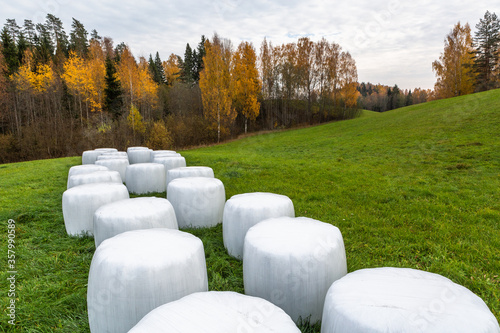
{"x": 455, "y": 76}
{"x": 215, "y": 84}
{"x": 112, "y": 91}
{"x": 199, "y": 59}
{"x": 245, "y": 82}
{"x": 9, "y": 50}
{"x": 29, "y": 33}
{"x": 487, "y": 43}
{"x": 78, "y": 39}
{"x": 187, "y": 64}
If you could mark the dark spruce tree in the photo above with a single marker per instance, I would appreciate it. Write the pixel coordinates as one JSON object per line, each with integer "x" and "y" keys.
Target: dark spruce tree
{"x": 199, "y": 58}
{"x": 156, "y": 69}
{"x": 9, "y": 50}
{"x": 160, "y": 74}
{"x": 22, "y": 46}
{"x": 78, "y": 40}
{"x": 187, "y": 66}
{"x": 59, "y": 38}
{"x": 486, "y": 42}
{"x": 112, "y": 92}
{"x": 44, "y": 48}
{"x": 29, "y": 33}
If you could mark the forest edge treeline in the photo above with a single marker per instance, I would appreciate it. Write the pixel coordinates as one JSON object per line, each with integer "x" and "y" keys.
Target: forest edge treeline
{"x": 60, "y": 94}
{"x": 63, "y": 94}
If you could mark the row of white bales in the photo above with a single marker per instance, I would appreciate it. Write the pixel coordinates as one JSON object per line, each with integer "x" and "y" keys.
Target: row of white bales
{"x": 462, "y": 312}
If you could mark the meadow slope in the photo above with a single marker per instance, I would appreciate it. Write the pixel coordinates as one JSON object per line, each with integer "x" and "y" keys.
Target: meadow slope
{"x": 415, "y": 187}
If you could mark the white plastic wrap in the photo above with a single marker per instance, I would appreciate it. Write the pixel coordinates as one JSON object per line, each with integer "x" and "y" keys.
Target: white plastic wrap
{"x": 243, "y": 211}
{"x": 116, "y": 153}
{"x": 217, "y": 312}
{"x": 80, "y": 203}
{"x": 107, "y": 150}
{"x": 116, "y": 164}
{"x": 110, "y": 157}
{"x": 155, "y": 153}
{"x": 107, "y": 176}
{"x": 132, "y": 214}
{"x": 136, "y": 156}
{"x": 292, "y": 262}
{"x": 137, "y": 271}
{"x": 170, "y": 162}
{"x": 145, "y": 178}
{"x": 403, "y": 300}
{"x": 191, "y": 171}
{"x": 90, "y": 156}
{"x": 198, "y": 201}
{"x": 83, "y": 169}
{"x": 136, "y": 148}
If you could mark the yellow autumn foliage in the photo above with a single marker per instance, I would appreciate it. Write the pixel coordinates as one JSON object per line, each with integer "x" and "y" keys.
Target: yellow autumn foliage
{"x": 38, "y": 80}
{"x": 246, "y": 84}
{"x": 171, "y": 69}
{"x": 215, "y": 84}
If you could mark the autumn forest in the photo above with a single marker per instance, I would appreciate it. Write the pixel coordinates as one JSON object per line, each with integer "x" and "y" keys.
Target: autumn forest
{"x": 64, "y": 93}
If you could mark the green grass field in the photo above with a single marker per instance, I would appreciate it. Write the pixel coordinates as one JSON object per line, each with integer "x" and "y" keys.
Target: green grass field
{"x": 415, "y": 187}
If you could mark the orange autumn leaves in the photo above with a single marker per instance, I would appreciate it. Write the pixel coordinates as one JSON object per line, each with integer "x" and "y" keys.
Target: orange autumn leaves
{"x": 229, "y": 83}
{"x": 85, "y": 78}
{"x": 454, "y": 69}
{"x": 36, "y": 80}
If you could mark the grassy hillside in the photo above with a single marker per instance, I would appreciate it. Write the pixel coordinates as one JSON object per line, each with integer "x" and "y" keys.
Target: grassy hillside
{"x": 416, "y": 187}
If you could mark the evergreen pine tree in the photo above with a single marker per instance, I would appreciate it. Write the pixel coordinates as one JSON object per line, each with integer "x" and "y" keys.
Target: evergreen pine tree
{"x": 112, "y": 91}
{"x": 44, "y": 45}
{"x": 59, "y": 38}
{"x": 199, "y": 58}
{"x": 22, "y": 46}
{"x": 152, "y": 67}
{"x": 95, "y": 35}
{"x": 79, "y": 39}
{"x": 29, "y": 33}
{"x": 9, "y": 51}
{"x": 187, "y": 65}
{"x": 160, "y": 74}
{"x": 487, "y": 42}
{"x": 409, "y": 99}
{"x": 13, "y": 29}
{"x": 389, "y": 100}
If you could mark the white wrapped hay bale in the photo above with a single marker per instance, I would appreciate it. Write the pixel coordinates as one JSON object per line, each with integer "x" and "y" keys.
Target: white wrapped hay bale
{"x": 136, "y": 156}
{"x": 170, "y": 162}
{"x": 137, "y": 271}
{"x": 292, "y": 262}
{"x": 217, "y": 312}
{"x": 129, "y": 149}
{"x": 145, "y": 178}
{"x": 156, "y": 153}
{"x": 107, "y": 176}
{"x": 83, "y": 169}
{"x": 110, "y": 157}
{"x": 132, "y": 214}
{"x": 90, "y": 156}
{"x": 403, "y": 300}
{"x": 198, "y": 201}
{"x": 80, "y": 203}
{"x": 243, "y": 211}
{"x": 107, "y": 150}
{"x": 116, "y": 164}
{"x": 116, "y": 153}
{"x": 191, "y": 171}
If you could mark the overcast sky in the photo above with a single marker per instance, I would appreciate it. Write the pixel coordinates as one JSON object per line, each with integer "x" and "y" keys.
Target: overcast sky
{"x": 392, "y": 41}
